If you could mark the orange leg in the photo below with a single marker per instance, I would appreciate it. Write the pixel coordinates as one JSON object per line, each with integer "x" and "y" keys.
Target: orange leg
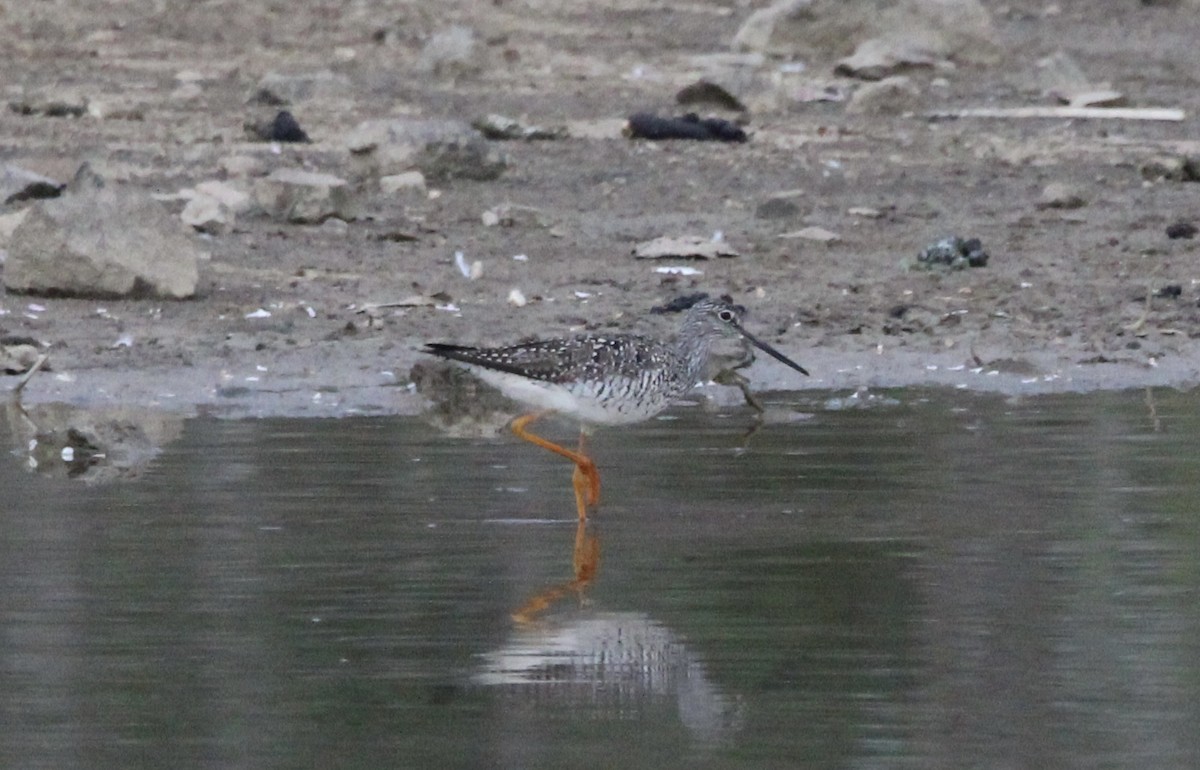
{"x": 586, "y": 561}
{"x": 586, "y": 478}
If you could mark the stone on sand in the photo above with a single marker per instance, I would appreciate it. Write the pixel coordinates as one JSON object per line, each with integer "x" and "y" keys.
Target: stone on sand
{"x": 408, "y": 182}
{"x": 440, "y": 149}
{"x": 304, "y": 197}
{"x": 890, "y": 96}
{"x": 18, "y": 183}
{"x": 101, "y": 239}
{"x": 214, "y": 206}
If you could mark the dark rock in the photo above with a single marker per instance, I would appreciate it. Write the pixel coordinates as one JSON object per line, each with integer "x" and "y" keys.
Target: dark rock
{"x": 285, "y": 128}
{"x": 282, "y": 128}
{"x": 644, "y": 125}
{"x": 1181, "y": 230}
{"x": 711, "y": 94}
{"x": 18, "y": 184}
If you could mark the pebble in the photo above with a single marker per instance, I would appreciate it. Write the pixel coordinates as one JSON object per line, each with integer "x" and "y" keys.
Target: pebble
{"x": 1176, "y": 168}
{"x": 1059, "y": 195}
{"x": 708, "y": 94}
{"x": 18, "y": 184}
{"x": 818, "y": 234}
{"x": 500, "y": 127}
{"x": 954, "y": 253}
{"x": 305, "y": 197}
{"x": 242, "y": 166}
{"x": 186, "y": 92}
{"x": 285, "y": 128}
{"x": 889, "y": 96}
{"x": 439, "y": 149}
{"x": 683, "y": 247}
{"x": 1181, "y": 230}
{"x": 413, "y": 181}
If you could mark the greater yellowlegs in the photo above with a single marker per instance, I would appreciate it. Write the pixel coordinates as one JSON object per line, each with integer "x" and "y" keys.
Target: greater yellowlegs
{"x": 603, "y": 379}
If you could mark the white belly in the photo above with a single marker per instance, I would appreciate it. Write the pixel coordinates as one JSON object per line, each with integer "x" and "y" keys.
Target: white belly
{"x": 594, "y": 403}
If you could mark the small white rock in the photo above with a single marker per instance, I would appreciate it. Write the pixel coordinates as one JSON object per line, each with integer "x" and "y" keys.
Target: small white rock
{"x": 187, "y": 91}
{"x": 409, "y": 180}
{"x": 516, "y": 298}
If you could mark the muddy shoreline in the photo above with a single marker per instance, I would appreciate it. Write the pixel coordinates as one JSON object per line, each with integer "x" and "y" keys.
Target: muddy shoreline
{"x": 291, "y": 389}
{"x": 1087, "y": 292}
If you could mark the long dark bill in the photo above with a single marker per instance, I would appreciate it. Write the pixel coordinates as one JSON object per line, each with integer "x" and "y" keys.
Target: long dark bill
{"x": 772, "y": 352}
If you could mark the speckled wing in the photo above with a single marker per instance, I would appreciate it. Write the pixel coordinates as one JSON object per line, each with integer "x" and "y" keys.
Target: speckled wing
{"x": 586, "y": 358}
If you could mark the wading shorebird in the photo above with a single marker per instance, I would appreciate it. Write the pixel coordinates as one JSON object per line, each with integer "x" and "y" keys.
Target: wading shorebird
{"x": 603, "y": 379}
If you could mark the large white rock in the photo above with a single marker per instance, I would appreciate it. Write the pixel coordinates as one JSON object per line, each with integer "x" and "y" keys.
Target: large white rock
{"x": 102, "y": 240}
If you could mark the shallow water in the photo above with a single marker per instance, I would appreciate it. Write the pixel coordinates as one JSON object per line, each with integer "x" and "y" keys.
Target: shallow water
{"x": 943, "y": 580}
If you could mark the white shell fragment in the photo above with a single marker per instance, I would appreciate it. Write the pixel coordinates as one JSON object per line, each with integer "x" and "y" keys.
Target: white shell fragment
{"x": 678, "y": 270}
{"x": 471, "y": 271}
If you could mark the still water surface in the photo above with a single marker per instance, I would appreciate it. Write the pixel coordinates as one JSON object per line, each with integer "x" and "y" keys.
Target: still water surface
{"x": 943, "y": 581}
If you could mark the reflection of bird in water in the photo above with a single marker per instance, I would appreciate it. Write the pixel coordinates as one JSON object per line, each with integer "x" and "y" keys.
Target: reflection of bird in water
{"x": 603, "y": 379}
{"x": 614, "y": 663}
{"x": 585, "y": 559}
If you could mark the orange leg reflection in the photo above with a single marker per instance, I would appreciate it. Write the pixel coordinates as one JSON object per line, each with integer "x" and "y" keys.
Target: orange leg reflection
{"x": 586, "y": 561}
{"x": 585, "y": 479}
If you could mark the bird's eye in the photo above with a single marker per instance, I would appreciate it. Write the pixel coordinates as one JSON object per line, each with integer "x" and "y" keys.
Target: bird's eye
{"x": 725, "y": 315}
